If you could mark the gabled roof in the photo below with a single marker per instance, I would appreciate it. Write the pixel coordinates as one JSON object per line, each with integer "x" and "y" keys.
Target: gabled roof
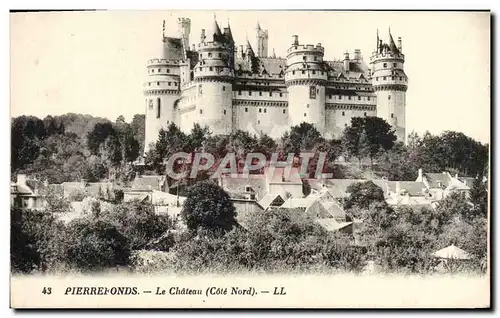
{"x": 414, "y": 188}
{"x": 147, "y": 182}
{"x": 302, "y": 203}
{"x": 452, "y": 252}
{"x": 434, "y": 178}
{"x": 270, "y": 199}
{"x": 332, "y": 225}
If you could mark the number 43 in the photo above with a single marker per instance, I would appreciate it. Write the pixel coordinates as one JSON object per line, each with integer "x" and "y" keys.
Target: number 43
{"x": 47, "y": 291}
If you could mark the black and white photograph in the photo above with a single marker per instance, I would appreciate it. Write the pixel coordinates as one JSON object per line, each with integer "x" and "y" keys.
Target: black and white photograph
{"x": 250, "y": 159}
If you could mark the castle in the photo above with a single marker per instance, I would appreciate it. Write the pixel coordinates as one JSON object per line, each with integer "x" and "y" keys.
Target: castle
{"x": 227, "y": 88}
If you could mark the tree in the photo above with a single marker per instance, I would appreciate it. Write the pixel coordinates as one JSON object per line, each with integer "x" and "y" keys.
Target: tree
{"x": 138, "y": 222}
{"x": 27, "y": 132}
{"x": 478, "y": 196}
{"x": 378, "y": 135}
{"x": 55, "y": 200}
{"x": 197, "y": 137}
{"x": 139, "y": 130}
{"x": 95, "y": 245}
{"x": 362, "y": 195}
{"x": 34, "y": 240}
{"x": 302, "y": 138}
{"x": 100, "y": 133}
{"x": 396, "y": 164}
{"x": 208, "y": 206}
{"x": 169, "y": 142}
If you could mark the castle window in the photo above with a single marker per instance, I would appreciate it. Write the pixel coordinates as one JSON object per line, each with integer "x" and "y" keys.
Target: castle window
{"x": 239, "y": 92}
{"x": 258, "y": 121}
{"x": 343, "y": 113}
{"x": 169, "y": 83}
{"x": 211, "y": 68}
{"x": 201, "y": 68}
{"x": 304, "y": 58}
{"x": 307, "y": 106}
{"x": 385, "y": 64}
{"x": 270, "y": 94}
{"x": 284, "y": 111}
{"x": 158, "y": 110}
{"x": 392, "y": 77}
{"x": 159, "y": 70}
{"x": 305, "y": 114}
{"x": 201, "y": 56}
{"x": 152, "y": 71}
{"x": 359, "y": 97}
{"x": 365, "y": 114}
{"x": 200, "y": 90}
{"x": 395, "y": 64}
{"x": 303, "y": 72}
{"x": 201, "y": 111}
{"x": 151, "y": 104}
{"x": 168, "y": 71}
{"x": 312, "y": 92}
{"x": 265, "y": 110}
{"x": 220, "y": 54}
{"x": 345, "y": 125}
{"x": 315, "y": 58}
{"x": 281, "y": 94}
{"x": 260, "y": 93}
{"x": 246, "y": 109}
{"x": 224, "y": 111}
{"x": 249, "y": 93}
{"x": 209, "y": 54}
{"x": 385, "y": 78}
{"x": 149, "y": 83}
{"x": 314, "y": 72}
{"x": 376, "y": 78}
{"x": 157, "y": 83}
{"x": 392, "y": 115}
{"x": 260, "y": 110}
{"x": 330, "y": 96}
{"x": 349, "y": 97}
{"x": 389, "y": 97}
{"x": 223, "y": 88}
{"x": 293, "y": 72}
{"x": 322, "y": 73}
{"x": 340, "y": 96}
{"x": 368, "y": 97}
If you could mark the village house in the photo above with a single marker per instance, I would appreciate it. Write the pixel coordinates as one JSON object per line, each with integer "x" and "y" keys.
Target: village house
{"x": 26, "y": 193}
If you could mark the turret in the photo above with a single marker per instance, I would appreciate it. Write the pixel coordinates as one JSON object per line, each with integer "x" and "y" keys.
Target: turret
{"x": 305, "y": 79}
{"x": 184, "y": 31}
{"x": 390, "y": 84}
{"x": 262, "y": 41}
{"x": 161, "y": 89}
{"x": 346, "y": 62}
{"x": 214, "y": 74}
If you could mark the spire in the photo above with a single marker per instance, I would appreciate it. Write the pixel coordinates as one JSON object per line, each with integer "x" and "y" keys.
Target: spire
{"x": 163, "y": 32}
{"x": 258, "y": 26}
{"x": 377, "y": 40}
{"x": 274, "y": 54}
{"x": 229, "y": 33}
{"x": 392, "y": 44}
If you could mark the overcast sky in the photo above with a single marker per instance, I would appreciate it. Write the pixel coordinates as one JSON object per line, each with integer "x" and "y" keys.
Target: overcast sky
{"x": 94, "y": 62}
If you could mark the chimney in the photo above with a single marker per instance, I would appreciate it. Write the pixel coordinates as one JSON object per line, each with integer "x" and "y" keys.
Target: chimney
{"x": 295, "y": 40}
{"x": 346, "y": 61}
{"x": 398, "y": 188}
{"x": 357, "y": 55}
{"x": 420, "y": 175}
{"x": 21, "y": 179}
{"x": 83, "y": 183}
{"x": 226, "y": 30}
{"x": 193, "y": 48}
{"x": 456, "y": 176}
{"x": 400, "y": 45}
{"x": 203, "y": 36}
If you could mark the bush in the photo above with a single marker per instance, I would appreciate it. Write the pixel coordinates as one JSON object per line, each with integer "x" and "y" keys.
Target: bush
{"x": 35, "y": 240}
{"x": 95, "y": 244}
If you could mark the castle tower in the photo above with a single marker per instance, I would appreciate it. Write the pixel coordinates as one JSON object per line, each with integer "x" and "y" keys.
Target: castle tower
{"x": 262, "y": 41}
{"x": 213, "y": 78}
{"x": 184, "y": 25}
{"x": 390, "y": 84}
{"x": 305, "y": 79}
{"x": 161, "y": 89}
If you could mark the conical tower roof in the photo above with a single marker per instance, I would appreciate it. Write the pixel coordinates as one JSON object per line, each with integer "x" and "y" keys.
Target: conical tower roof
{"x": 392, "y": 45}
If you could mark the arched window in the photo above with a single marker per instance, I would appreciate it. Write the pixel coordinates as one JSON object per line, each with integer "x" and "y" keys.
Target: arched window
{"x": 158, "y": 110}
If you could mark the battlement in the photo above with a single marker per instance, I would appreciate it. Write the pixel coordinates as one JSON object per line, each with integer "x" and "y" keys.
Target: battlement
{"x": 184, "y": 20}
{"x": 307, "y": 48}
{"x": 386, "y": 56}
{"x": 262, "y": 76}
{"x": 212, "y": 45}
{"x": 164, "y": 62}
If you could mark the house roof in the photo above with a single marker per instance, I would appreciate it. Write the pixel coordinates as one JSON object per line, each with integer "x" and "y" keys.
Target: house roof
{"x": 280, "y": 177}
{"x": 90, "y": 188}
{"x": 268, "y": 199}
{"x": 434, "y": 178}
{"x": 452, "y": 252}
{"x": 331, "y": 224}
{"x": 147, "y": 182}
{"x": 238, "y": 183}
{"x": 338, "y": 187}
{"x": 292, "y": 203}
{"x": 414, "y": 188}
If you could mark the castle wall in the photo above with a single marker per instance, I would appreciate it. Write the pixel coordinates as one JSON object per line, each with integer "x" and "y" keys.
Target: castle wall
{"x": 256, "y": 118}
{"x": 307, "y": 106}
{"x": 391, "y": 107}
{"x": 214, "y": 106}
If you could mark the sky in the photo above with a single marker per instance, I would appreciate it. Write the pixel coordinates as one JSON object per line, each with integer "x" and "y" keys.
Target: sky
{"x": 95, "y": 62}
